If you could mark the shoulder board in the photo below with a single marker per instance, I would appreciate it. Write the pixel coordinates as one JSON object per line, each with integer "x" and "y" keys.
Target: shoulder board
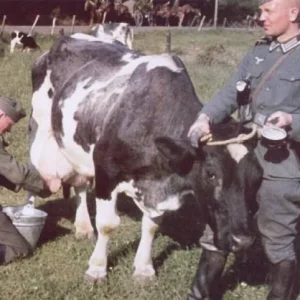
{"x": 265, "y": 40}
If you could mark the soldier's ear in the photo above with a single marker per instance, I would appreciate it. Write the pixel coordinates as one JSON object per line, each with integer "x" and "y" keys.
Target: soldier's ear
{"x": 294, "y": 14}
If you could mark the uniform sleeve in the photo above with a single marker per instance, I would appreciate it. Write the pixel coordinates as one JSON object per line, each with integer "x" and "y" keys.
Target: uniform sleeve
{"x": 14, "y": 175}
{"x": 224, "y": 102}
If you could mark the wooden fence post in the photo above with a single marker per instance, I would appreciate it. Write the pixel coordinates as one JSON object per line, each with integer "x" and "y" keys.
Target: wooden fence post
{"x": 73, "y": 23}
{"x": 3, "y": 24}
{"x": 194, "y": 20}
{"x": 61, "y": 32}
{"x": 168, "y": 42}
{"x": 53, "y": 26}
{"x": 201, "y": 23}
{"x": 224, "y": 22}
{"x": 33, "y": 25}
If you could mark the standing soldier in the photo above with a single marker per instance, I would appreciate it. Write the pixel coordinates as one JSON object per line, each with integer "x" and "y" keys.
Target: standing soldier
{"x": 266, "y": 88}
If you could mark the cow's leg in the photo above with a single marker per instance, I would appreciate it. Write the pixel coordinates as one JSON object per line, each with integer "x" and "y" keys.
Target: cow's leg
{"x": 143, "y": 261}
{"x": 206, "y": 280}
{"x": 13, "y": 44}
{"x": 83, "y": 225}
{"x": 66, "y": 190}
{"x": 107, "y": 221}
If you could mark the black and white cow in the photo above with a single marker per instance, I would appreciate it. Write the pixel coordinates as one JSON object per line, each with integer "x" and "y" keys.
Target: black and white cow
{"x": 41, "y": 136}
{"x": 23, "y": 39}
{"x": 122, "y": 118}
{"x": 122, "y": 32}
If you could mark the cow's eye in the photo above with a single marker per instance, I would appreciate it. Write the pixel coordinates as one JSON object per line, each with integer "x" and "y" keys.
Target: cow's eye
{"x": 211, "y": 175}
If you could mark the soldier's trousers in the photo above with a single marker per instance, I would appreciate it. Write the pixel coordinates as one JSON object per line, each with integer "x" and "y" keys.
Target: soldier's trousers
{"x": 12, "y": 244}
{"x": 278, "y": 218}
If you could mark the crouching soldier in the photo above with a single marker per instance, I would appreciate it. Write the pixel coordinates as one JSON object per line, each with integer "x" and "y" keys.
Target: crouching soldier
{"x": 14, "y": 176}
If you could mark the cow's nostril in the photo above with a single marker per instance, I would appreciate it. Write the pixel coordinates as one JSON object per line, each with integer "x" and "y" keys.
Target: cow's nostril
{"x": 240, "y": 243}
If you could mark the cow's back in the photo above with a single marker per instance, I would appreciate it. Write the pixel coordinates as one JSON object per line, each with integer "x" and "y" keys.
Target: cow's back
{"x": 125, "y": 97}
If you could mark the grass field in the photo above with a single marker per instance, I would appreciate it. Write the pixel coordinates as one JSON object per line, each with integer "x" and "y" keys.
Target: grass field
{"x": 56, "y": 269}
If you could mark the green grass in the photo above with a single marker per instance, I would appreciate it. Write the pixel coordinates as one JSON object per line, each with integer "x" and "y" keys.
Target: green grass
{"x": 56, "y": 269}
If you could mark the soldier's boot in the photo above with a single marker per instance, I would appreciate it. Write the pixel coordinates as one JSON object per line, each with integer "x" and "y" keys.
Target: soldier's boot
{"x": 209, "y": 272}
{"x": 283, "y": 285}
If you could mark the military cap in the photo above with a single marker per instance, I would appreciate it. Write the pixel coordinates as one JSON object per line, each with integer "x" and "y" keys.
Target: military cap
{"x": 12, "y": 108}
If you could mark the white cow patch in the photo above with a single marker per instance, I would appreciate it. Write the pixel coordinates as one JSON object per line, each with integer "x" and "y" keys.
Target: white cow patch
{"x": 44, "y": 152}
{"x": 237, "y": 151}
{"x": 80, "y": 159}
{"x": 153, "y": 61}
{"x": 103, "y": 38}
{"x": 128, "y": 57}
{"x": 121, "y": 32}
{"x": 41, "y": 104}
{"x": 15, "y": 41}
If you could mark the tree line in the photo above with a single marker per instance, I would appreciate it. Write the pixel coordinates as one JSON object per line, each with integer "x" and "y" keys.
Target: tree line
{"x": 23, "y": 12}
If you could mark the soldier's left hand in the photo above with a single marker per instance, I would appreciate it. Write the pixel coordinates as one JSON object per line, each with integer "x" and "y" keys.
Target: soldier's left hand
{"x": 280, "y": 119}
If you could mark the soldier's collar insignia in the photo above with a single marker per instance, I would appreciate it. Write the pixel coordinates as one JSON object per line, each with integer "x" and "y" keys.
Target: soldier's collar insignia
{"x": 286, "y": 46}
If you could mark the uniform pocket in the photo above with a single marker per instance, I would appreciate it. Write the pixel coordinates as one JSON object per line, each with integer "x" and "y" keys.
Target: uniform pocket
{"x": 289, "y": 76}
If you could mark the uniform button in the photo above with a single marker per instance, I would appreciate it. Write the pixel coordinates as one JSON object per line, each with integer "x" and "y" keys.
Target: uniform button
{"x": 267, "y": 89}
{"x": 277, "y": 49}
{"x": 292, "y": 78}
{"x": 261, "y": 106}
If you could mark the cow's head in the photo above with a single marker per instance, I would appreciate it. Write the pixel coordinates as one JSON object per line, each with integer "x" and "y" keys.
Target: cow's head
{"x": 224, "y": 183}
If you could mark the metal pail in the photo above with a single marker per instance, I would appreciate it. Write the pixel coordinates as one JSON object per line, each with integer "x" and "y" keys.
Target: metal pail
{"x": 28, "y": 220}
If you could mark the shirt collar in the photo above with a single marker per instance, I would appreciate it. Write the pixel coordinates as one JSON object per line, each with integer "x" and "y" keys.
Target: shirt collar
{"x": 286, "y": 46}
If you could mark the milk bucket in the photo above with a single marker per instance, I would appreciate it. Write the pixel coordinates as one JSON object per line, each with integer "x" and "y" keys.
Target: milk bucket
{"x": 28, "y": 220}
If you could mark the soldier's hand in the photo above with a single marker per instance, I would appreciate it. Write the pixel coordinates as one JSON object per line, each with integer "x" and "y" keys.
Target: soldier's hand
{"x": 280, "y": 119}
{"x": 200, "y": 130}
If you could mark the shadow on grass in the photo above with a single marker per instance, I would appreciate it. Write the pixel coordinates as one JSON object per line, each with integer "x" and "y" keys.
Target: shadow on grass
{"x": 57, "y": 209}
{"x": 182, "y": 226}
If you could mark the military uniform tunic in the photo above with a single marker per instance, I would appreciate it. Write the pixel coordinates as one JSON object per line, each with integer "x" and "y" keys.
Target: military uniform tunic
{"x": 279, "y": 194}
{"x": 15, "y": 176}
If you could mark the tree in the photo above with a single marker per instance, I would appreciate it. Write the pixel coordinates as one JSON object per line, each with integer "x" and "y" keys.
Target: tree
{"x": 236, "y": 10}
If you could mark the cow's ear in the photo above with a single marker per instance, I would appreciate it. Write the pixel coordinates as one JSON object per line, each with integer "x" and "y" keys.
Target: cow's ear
{"x": 179, "y": 159}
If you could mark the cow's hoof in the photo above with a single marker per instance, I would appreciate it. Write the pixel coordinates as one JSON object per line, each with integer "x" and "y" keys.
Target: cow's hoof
{"x": 93, "y": 280}
{"x": 142, "y": 279}
{"x": 144, "y": 275}
{"x": 95, "y": 275}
